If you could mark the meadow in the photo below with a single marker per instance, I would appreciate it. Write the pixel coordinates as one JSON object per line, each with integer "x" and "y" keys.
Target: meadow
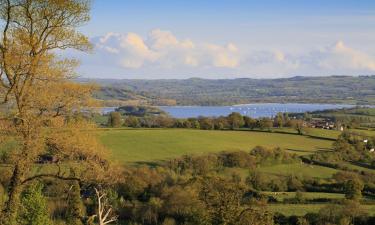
{"x": 149, "y": 145}
{"x": 302, "y": 209}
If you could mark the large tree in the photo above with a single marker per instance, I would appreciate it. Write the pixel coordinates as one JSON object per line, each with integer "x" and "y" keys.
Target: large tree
{"x": 39, "y": 100}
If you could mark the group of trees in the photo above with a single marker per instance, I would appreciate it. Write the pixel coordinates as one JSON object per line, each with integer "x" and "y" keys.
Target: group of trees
{"x": 232, "y": 121}
{"x": 194, "y": 190}
{"x": 350, "y": 147}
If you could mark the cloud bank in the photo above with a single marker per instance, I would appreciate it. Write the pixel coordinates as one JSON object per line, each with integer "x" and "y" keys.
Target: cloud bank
{"x": 162, "y": 49}
{"x": 160, "y": 54}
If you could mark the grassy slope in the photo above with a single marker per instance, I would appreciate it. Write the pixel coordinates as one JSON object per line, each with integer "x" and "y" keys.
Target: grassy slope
{"x": 146, "y": 145}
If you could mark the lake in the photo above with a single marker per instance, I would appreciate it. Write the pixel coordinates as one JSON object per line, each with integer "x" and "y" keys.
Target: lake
{"x": 253, "y": 110}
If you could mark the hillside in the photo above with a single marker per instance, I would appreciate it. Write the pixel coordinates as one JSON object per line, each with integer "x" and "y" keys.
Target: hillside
{"x": 196, "y": 91}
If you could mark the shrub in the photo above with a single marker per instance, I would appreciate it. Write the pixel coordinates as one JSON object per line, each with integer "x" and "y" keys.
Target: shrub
{"x": 34, "y": 207}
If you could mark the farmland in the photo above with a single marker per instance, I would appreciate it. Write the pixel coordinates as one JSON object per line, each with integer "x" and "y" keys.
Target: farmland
{"x": 147, "y": 145}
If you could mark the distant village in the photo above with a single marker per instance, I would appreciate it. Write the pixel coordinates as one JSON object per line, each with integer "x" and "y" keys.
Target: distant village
{"x": 324, "y": 123}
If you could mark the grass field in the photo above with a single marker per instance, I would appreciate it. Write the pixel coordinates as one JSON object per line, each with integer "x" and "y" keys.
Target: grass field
{"x": 280, "y": 196}
{"x": 146, "y": 145}
{"x": 306, "y": 195}
{"x": 299, "y": 169}
{"x": 303, "y": 209}
{"x": 296, "y": 169}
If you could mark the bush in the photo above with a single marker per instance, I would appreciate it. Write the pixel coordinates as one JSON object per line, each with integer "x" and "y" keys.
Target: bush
{"x": 114, "y": 119}
{"x": 34, "y": 207}
{"x": 238, "y": 159}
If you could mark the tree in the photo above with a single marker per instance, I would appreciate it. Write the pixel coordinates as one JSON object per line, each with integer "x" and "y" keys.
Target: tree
{"x": 279, "y": 120}
{"x": 353, "y": 189}
{"x": 302, "y": 221}
{"x": 265, "y": 123}
{"x": 114, "y": 119}
{"x": 225, "y": 204}
{"x": 183, "y": 202}
{"x": 131, "y": 121}
{"x": 294, "y": 184}
{"x": 236, "y": 120}
{"x": 206, "y": 123}
{"x": 250, "y": 122}
{"x": 39, "y": 99}
{"x": 34, "y": 209}
{"x": 151, "y": 210}
{"x": 344, "y": 213}
{"x": 299, "y": 126}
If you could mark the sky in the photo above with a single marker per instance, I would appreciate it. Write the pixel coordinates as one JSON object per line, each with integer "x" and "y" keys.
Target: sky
{"x": 175, "y": 39}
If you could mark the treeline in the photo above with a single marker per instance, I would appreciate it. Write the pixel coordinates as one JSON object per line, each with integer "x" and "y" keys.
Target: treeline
{"x": 233, "y": 121}
{"x": 203, "y": 165}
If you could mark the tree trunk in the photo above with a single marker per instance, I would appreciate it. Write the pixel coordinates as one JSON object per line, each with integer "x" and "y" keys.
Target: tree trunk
{"x": 11, "y": 207}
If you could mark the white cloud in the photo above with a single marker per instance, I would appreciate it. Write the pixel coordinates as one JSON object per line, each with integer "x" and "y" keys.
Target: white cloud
{"x": 341, "y": 56}
{"x": 162, "y": 39}
{"x": 163, "y": 49}
{"x": 161, "y": 54}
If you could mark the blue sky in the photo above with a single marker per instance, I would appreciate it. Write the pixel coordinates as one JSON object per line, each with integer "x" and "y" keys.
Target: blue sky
{"x": 229, "y": 39}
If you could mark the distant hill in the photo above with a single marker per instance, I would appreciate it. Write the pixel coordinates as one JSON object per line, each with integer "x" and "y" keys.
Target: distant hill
{"x": 196, "y": 91}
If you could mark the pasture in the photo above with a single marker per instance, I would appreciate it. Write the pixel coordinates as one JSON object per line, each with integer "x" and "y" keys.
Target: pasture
{"x": 303, "y": 209}
{"x": 299, "y": 169}
{"x": 148, "y": 145}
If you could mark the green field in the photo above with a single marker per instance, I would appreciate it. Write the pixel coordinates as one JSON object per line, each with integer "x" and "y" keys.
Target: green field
{"x": 303, "y": 209}
{"x": 306, "y": 195}
{"x": 147, "y": 145}
{"x": 299, "y": 169}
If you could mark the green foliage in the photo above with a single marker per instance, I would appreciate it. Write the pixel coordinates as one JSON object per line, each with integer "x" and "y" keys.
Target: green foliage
{"x": 265, "y": 124}
{"x": 131, "y": 121}
{"x": 353, "y": 189}
{"x": 279, "y": 120}
{"x": 114, "y": 119}
{"x": 139, "y": 111}
{"x": 235, "y": 120}
{"x": 294, "y": 183}
{"x": 225, "y": 205}
{"x": 34, "y": 207}
{"x": 206, "y": 123}
{"x": 273, "y": 156}
{"x": 343, "y": 213}
{"x": 299, "y": 197}
{"x": 75, "y": 210}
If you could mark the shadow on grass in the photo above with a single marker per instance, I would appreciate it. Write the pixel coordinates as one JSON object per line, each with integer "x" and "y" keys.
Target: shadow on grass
{"x": 301, "y": 151}
{"x": 289, "y": 133}
{"x": 364, "y": 165}
{"x": 151, "y": 164}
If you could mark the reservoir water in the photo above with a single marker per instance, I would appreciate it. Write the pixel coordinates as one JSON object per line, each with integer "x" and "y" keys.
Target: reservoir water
{"x": 253, "y": 110}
